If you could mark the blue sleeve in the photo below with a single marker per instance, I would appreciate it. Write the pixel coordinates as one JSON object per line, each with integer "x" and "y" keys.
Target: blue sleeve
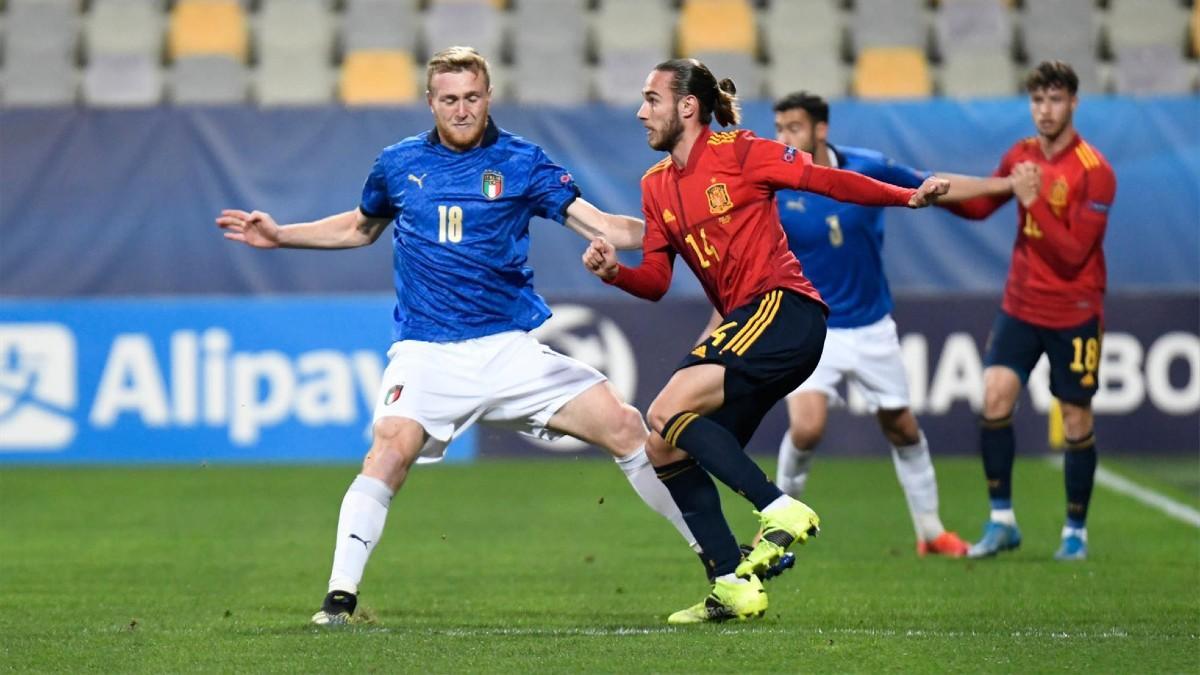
{"x": 376, "y": 198}
{"x": 888, "y": 171}
{"x": 551, "y": 188}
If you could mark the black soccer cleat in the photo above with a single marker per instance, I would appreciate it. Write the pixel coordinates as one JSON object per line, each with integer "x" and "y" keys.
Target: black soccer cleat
{"x": 337, "y": 609}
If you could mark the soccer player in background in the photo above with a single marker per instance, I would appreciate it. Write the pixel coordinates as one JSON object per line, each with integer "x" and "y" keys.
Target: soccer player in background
{"x": 461, "y": 196}
{"x": 840, "y": 246}
{"x": 1053, "y": 303}
{"x": 712, "y": 202}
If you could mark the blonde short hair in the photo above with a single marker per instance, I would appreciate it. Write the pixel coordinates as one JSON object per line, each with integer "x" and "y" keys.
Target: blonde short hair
{"x": 456, "y": 60}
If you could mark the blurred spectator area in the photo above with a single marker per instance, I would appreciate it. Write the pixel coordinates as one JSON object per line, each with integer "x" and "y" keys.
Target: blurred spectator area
{"x": 131, "y": 53}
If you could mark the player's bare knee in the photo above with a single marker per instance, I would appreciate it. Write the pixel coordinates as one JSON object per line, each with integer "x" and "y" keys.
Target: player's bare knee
{"x": 628, "y": 431}
{"x": 899, "y": 426}
{"x": 658, "y": 415}
{"x": 1001, "y": 387}
{"x": 806, "y": 436}
{"x": 394, "y": 441}
{"x": 661, "y": 454}
{"x": 1077, "y": 420}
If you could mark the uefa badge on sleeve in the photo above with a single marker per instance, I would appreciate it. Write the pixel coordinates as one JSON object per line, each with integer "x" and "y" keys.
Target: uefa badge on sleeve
{"x": 493, "y": 184}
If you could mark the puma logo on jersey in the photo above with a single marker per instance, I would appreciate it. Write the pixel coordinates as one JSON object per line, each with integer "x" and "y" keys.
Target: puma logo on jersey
{"x": 419, "y": 181}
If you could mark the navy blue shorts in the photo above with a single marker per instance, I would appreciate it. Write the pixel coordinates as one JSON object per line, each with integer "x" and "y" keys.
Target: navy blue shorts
{"x": 768, "y": 347}
{"x": 1074, "y": 354}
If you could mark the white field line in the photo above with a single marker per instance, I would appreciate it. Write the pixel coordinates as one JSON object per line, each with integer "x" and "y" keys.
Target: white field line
{"x": 1155, "y": 500}
{"x": 1109, "y": 634}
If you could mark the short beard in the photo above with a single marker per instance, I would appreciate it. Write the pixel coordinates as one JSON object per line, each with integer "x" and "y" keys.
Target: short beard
{"x": 468, "y": 144}
{"x": 670, "y": 135}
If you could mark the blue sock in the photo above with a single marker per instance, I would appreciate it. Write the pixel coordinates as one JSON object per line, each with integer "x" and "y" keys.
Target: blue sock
{"x": 697, "y": 498}
{"x": 1079, "y": 474}
{"x": 998, "y": 447}
{"x": 719, "y": 452}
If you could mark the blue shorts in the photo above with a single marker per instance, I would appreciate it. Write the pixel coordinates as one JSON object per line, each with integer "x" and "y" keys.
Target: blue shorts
{"x": 1074, "y": 354}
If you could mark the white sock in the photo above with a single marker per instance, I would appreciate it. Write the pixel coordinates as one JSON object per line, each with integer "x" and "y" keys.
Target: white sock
{"x": 646, "y": 484}
{"x": 360, "y": 524}
{"x": 1080, "y": 532}
{"x": 780, "y": 502}
{"x": 1003, "y": 516}
{"x": 732, "y": 578}
{"x": 792, "y": 474}
{"x": 914, "y": 468}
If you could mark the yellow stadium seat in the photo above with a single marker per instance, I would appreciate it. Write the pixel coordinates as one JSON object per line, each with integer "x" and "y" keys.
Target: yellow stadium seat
{"x": 1196, "y": 29}
{"x": 717, "y": 26}
{"x": 892, "y": 72}
{"x": 208, "y": 27}
{"x": 378, "y": 77}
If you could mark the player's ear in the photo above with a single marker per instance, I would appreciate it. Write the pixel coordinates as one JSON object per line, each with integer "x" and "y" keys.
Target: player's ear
{"x": 687, "y": 106}
{"x": 821, "y": 131}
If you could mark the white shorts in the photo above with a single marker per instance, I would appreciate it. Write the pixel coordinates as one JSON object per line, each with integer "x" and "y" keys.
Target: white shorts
{"x": 508, "y": 380}
{"x": 868, "y": 358}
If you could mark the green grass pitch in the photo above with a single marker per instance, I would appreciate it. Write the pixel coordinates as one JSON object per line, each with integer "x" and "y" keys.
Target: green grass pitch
{"x": 555, "y": 566}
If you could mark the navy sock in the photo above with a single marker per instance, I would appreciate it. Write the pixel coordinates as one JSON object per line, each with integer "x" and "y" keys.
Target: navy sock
{"x": 719, "y": 452}
{"x": 697, "y": 498}
{"x": 998, "y": 446}
{"x": 1079, "y": 474}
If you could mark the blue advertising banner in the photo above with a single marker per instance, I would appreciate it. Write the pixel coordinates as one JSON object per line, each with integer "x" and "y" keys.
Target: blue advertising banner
{"x": 166, "y": 380}
{"x": 295, "y": 380}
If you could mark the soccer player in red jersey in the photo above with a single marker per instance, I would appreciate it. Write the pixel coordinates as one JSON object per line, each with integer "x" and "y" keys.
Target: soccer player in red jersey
{"x": 712, "y": 202}
{"x": 1053, "y": 303}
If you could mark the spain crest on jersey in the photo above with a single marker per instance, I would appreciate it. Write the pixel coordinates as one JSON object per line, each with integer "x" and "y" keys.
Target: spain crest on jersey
{"x": 1059, "y": 193}
{"x": 493, "y": 184}
{"x": 718, "y": 198}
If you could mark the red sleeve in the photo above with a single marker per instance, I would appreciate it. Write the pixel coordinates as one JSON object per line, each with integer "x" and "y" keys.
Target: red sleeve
{"x": 650, "y": 280}
{"x": 778, "y": 167}
{"x": 982, "y": 207}
{"x": 1066, "y": 245}
{"x": 855, "y": 188}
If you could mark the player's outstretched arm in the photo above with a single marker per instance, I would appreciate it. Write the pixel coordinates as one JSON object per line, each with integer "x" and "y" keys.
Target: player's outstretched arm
{"x": 650, "y": 280}
{"x": 963, "y": 187}
{"x": 623, "y": 232}
{"x": 349, "y": 229}
{"x": 929, "y": 192}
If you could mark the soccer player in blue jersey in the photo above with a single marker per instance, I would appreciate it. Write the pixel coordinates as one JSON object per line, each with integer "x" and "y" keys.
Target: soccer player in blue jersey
{"x": 461, "y": 197}
{"x": 840, "y": 246}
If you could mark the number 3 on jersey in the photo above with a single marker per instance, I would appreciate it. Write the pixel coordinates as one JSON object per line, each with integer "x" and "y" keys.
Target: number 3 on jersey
{"x": 708, "y": 248}
{"x": 449, "y": 224}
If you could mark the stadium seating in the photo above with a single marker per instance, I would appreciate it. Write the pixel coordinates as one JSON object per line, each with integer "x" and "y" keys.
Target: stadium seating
{"x": 463, "y": 22}
{"x": 40, "y": 50}
{"x": 892, "y": 72}
{"x": 204, "y": 27}
{"x": 549, "y": 45}
{"x": 302, "y": 52}
{"x": 1151, "y": 69}
{"x": 122, "y": 80}
{"x": 378, "y": 77}
{"x": 207, "y": 80}
{"x": 630, "y": 37}
{"x": 380, "y": 24}
{"x": 716, "y": 26}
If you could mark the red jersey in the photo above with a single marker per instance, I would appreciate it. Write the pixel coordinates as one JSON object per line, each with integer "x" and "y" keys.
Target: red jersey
{"x": 1057, "y": 277}
{"x": 719, "y": 213}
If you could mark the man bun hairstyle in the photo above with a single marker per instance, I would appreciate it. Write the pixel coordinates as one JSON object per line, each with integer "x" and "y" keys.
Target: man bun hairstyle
{"x": 455, "y": 60}
{"x": 815, "y": 106}
{"x": 692, "y": 78}
{"x": 1050, "y": 74}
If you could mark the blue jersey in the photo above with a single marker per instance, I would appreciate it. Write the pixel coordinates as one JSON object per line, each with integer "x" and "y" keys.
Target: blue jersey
{"x": 461, "y": 236}
{"x": 841, "y": 245}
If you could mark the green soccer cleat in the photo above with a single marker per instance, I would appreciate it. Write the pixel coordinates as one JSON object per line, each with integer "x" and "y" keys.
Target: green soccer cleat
{"x": 742, "y": 599}
{"x": 780, "y": 529}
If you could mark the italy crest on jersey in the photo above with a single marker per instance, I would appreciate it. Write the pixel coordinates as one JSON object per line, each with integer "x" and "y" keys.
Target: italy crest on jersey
{"x": 493, "y": 184}
{"x": 718, "y": 198}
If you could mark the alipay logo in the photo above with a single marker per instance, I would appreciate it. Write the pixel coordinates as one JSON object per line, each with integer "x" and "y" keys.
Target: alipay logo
{"x": 37, "y": 386}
